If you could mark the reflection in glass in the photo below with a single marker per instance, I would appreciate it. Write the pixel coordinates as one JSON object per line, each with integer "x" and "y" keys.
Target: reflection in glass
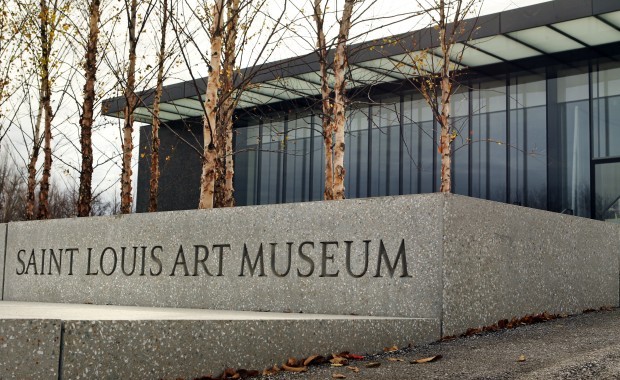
{"x": 246, "y": 165}
{"x": 607, "y": 184}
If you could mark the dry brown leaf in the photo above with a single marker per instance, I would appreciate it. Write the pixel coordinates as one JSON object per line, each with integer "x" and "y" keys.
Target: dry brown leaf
{"x": 336, "y": 365}
{"x": 339, "y": 360}
{"x": 314, "y": 359}
{"x": 353, "y": 368}
{"x": 294, "y": 369}
{"x": 426, "y": 360}
{"x": 395, "y": 359}
{"x": 271, "y": 371}
{"x": 372, "y": 365}
{"x": 292, "y": 362}
{"x": 352, "y": 356}
{"x": 338, "y": 376}
{"x": 521, "y": 358}
{"x": 390, "y": 349}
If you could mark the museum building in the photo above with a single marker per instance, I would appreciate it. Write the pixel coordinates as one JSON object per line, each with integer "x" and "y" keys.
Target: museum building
{"x": 536, "y": 118}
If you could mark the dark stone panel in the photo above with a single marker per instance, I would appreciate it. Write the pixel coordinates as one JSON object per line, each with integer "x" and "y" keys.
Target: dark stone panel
{"x": 603, "y": 6}
{"x": 544, "y": 13}
{"x": 180, "y": 166}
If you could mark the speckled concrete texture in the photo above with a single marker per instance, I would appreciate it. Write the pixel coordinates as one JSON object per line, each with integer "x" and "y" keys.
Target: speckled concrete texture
{"x": 3, "y": 227}
{"x": 188, "y": 349}
{"x": 29, "y": 349}
{"x": 503, "y": 261}
{"x": 316, "y": 235}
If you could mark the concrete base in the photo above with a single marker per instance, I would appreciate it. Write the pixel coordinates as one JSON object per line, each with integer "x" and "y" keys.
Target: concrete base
{"x": 111, "y": 342}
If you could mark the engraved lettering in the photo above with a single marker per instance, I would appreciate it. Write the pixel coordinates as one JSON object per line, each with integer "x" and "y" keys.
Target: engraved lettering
{"x": 325, "y": 257}
{"x": 252, "y": 268}
{"x": 273, "y": 259}
{"x": 180, "y": 260}
{"x": 19, "y": 258}
{"x": 114, "y": 261}
{"x": 197, "y": 249}
{"x": 348, "y": 257}
{"x": 402, "y": 256}
{"x": 157, "y": 260}
{"x": 306, "y": 258}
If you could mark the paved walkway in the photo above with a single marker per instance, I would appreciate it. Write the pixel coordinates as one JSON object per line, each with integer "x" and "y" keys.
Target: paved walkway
{"x": 586, "y": 346}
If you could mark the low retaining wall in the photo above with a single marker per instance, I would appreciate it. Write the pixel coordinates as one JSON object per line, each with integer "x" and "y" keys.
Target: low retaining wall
{"x": 454, "y": 261}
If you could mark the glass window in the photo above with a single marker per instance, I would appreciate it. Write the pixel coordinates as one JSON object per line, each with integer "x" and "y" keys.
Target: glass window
{"x": 385, "y": 148}
{"x": 246, "y": 165}
{"x": 317, "y": 149}
{"x": 607, "y": 177}
{"x": 418, "y": 146}
{"x": 356, "y": 153}
{"x": 272, "y": 149}
{"x": 528, "y": 142}
{"x": 573, "y": 162}
{"x": 606, "y": 118}
{"x": 298, "y": 159}
{"x": 489, "y": 142}
{"x": 461, "y": 142}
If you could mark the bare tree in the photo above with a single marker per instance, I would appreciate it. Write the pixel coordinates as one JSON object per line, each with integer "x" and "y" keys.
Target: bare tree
{"x": 154, "y": 182}
{"x": 45, "y": 19}
{"x": 10, "y": 53}
{"x": 84, "y": 203}
{"x": 437, "y": 73}
{"x": 333, "y": 110}
{"x": 224, "y": 190}
{"x": 231, "y": 29}
{"x": 131, "y": 98}
{"x": 209, "y": 163}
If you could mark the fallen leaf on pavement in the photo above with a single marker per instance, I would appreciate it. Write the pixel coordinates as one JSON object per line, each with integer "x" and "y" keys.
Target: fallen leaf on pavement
{"x": 395, "y": 359}
{"x": 521, "y": 358}
{"x": 338, "y": 376}
{"x": 339, "y": 360}
{"x": 353, "y": 356}
{"x": 314, "y": 359}
{"x": 294, "y": 369}
{"x": 336, "y": 365}
{"x": 353, "y": 368}
{"x": 292, "y": 362}
{"x": 426, "y": 360}
{"x": 390, "y": 349}
{"x": 372, "y": 365}
{"x": 271, "y": 371}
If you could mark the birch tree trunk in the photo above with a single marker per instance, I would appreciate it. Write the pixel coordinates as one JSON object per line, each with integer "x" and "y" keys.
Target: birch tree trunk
{"x": 84, "y": 205}
{"x": 131, "y": 102}
{"x": 209, "y": 160}
{"x": 45, "y": 30}
{"x": 445, "y": 140}
{"x": 224, "y": 189}
{"x": 154, "y": 183}
{"x": 32, "y": 163}
{"x": 339, "y": 120}
{"x": 326, "y": 104}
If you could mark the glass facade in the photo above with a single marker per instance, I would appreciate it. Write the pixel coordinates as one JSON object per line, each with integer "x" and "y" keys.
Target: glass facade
{"x": 546, "y": 139}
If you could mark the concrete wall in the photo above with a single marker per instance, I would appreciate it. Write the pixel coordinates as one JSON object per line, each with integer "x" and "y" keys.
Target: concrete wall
{"x": 503, "y": 261}
{"x": 437, "y": 265}
{"x": 401, "y": 236}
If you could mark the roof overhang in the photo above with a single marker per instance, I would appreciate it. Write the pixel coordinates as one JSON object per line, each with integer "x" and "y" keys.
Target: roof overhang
{"x": 543, "y": 29}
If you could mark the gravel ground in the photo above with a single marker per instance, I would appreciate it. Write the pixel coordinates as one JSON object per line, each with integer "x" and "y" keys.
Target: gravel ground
{"x": 585, "y": 346}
